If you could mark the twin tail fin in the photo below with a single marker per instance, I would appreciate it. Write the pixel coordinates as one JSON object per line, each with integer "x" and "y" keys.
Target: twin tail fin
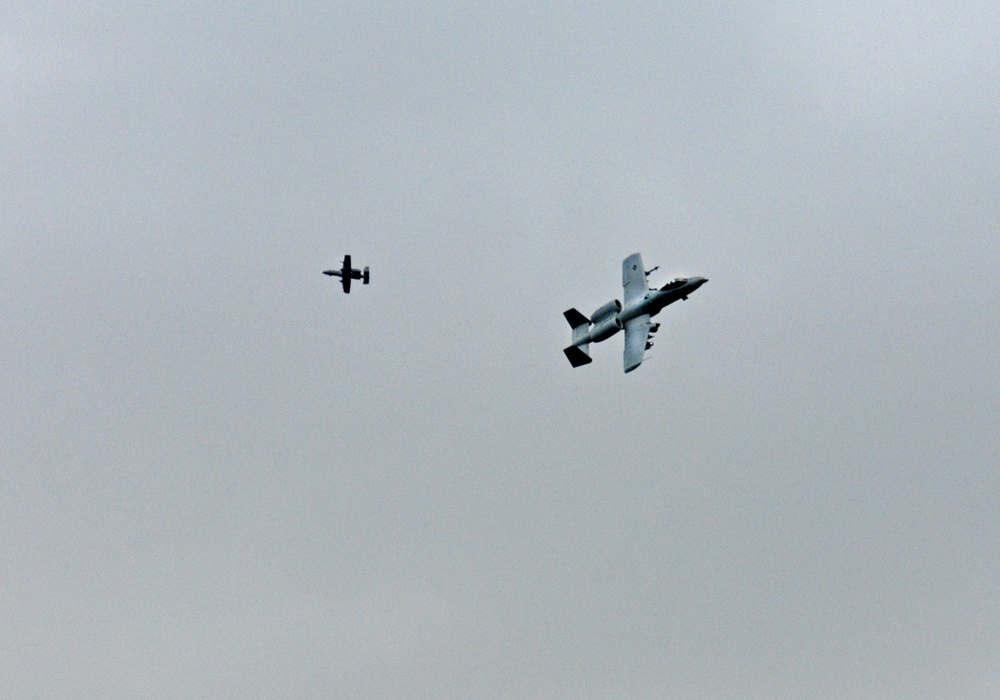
{"x": 579, "y": 352}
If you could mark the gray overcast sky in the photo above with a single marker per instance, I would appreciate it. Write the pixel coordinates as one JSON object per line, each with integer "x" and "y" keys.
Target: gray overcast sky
{"x": 221, "y": 477}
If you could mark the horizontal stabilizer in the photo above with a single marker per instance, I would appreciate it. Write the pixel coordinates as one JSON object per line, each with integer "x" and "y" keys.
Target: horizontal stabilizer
{"x": 577, "y": 356}
{"x": 576, "y": 319}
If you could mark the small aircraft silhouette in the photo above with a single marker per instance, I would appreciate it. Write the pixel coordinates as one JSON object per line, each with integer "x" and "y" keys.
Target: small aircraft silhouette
{"x": 347, "y": 273}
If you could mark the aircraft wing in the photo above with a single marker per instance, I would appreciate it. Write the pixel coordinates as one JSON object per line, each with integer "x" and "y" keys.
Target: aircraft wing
{"x": 636, "y": 335}
{"x": 345, "y": 280}
{"x": 633, "y": 279}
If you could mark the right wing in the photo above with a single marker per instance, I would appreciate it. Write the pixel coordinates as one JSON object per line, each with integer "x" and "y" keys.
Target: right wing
{"x": 633, "y": 279}
{"x": 346, "y": 281}
{"x": 636, "y": 336}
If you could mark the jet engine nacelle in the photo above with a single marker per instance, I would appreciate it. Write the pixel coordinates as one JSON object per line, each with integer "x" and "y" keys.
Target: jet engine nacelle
{"x": 605, "y": 329}
{"x": 610, "y": 309}
{"x": 605, "y": 321}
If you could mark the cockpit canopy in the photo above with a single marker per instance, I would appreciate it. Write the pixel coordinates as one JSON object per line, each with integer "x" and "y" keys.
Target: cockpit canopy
{"x": 679, "y": 282}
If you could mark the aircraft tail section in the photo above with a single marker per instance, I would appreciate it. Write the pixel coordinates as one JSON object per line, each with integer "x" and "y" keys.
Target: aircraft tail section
{"x": 579, "y": 352}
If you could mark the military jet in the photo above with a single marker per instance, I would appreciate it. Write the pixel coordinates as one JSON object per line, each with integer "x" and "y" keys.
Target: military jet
{"x": 347, "y": 273}
{"x": 641, "y": 303}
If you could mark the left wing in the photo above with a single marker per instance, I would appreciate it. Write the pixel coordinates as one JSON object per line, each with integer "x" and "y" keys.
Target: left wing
{"x": 345, "y": 279}
{"x": 633, "y": 279}
{"x": 636, "y": 337}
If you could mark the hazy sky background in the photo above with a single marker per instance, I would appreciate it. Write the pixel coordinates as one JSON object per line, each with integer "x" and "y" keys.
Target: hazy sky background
{"x": 221, "y": 477}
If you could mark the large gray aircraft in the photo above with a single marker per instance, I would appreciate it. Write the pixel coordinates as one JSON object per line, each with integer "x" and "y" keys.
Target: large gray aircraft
{"x": 346, "y": 273}
{"x": 641, "y": 303}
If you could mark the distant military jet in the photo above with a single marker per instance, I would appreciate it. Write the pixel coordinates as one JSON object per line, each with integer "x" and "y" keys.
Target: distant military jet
{"x": 347, "y": 273}
{"x": 641, "y": 303}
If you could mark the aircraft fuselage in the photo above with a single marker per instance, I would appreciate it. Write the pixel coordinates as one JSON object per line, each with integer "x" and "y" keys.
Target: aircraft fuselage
{"x": 655, "y": 300}
{"x": 652, "y": 303}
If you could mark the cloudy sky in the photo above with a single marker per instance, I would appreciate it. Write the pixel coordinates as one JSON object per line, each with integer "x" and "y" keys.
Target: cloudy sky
{"x": 221, "y": 477}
